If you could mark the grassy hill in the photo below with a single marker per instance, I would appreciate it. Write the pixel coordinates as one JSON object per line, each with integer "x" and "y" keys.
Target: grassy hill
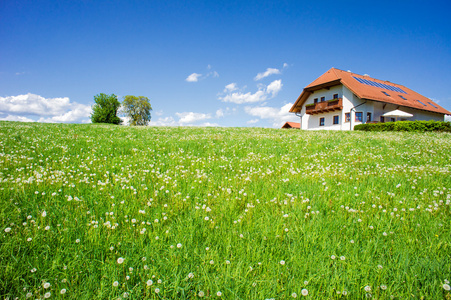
{"x": 103, "y": 212}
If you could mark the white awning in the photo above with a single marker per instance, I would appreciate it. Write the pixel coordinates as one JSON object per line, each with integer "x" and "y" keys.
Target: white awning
{"x": 397, "y": 113}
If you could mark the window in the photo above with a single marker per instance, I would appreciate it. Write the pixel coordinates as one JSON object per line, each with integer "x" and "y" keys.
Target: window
{"x": 402, "y": 97}
{"x": 432, "y": 105}
{"x": 315, "y": 100}
{"x": 323, "y": 99}
{"x": 382, "y": 119}
{"x": 385, "y": 93}
{"x": 335, "y": 96}
{"x": 358, "y": 116}
{"x": 347, "y": 117}
{"x": 392, "y": 119}
{"x": 336, "y": 119}
{"x": 321, "y": 121}
{"x": 368, "y": 117}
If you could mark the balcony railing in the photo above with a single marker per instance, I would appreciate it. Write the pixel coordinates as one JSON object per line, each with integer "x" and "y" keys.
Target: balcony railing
{"x": 325, "y": 106}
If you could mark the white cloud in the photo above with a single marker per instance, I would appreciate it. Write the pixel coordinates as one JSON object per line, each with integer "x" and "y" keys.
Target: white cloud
{"x": 253, "y": 121}
{"x": 190, "y": 117}
{"x": 268, "y": 72}
{"x": 168, "y": 121}
{"x": 277, "y": 115}
{"x": 77, "y": 113}
{"x": 193, "y": 77}
{"x": 285, "y": 65}
{"x": 48, "y": 109}
{"x": 230, "y": 87}
{"x": 274, "y": 87}
{"x": 240, "y": 98}
{"x": 261, "y": 95}
{"x": 16, "y": 118}
{"x": 213, "y": 74}
{"x": 219, "y": 113}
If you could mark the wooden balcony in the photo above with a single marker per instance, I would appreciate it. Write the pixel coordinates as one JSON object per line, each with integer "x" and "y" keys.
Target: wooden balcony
{"x": 325, "y": 106}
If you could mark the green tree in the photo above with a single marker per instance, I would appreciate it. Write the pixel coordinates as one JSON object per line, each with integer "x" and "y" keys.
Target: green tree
{"x": 105, "y": 109}
{"x": 137, "y": 109}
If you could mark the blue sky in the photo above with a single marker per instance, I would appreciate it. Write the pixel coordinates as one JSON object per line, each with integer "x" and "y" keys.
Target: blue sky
{"x": 199, "y": 61}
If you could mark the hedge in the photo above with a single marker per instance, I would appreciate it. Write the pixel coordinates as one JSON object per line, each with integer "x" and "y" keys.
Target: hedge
{"x": 419, "y": 126}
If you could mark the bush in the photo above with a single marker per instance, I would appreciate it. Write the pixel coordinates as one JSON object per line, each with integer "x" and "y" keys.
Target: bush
{"x": 417, "y": 126}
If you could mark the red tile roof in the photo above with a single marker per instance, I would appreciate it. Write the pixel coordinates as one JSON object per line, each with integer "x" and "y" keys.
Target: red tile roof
{"x": 369, "y": 88}
{"x": 292, "y": 125}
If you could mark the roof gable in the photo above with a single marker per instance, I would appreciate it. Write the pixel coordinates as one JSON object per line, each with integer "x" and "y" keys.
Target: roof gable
{"x": 368, "y": 88}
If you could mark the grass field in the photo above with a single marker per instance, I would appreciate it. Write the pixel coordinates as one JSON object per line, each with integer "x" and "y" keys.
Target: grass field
{"x": 108, "y": 212}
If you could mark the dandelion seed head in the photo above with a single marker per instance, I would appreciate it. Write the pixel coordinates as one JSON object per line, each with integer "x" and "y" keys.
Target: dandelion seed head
{"x": 120, "y": 260}
{"x": 304, "y": 292}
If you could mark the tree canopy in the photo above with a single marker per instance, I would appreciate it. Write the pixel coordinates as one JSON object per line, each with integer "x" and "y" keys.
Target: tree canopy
{"x": 137, "y": 109}
{"x": 105, "y": 109}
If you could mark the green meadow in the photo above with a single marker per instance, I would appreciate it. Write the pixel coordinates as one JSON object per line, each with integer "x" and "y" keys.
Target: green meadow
{"x": 114, "y": 212}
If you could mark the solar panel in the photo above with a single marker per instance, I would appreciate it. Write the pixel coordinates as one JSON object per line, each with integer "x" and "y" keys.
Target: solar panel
{"x": 421, "y": 102}
{"x": 379, "y": 85}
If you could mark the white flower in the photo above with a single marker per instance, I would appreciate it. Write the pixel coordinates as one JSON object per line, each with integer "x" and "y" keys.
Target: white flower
{"x": 28, "y": 295}
{"x": 29, "y": 239}
{"x": 77, "y": 241}
{"x": 219, "y": 294}
{"x": 7, "y": 229}
{"x": 305, "y": 282}
{"x": 47, "y": 227}
{"x": 63, "y": 291}
{"x": 446, "y": 287}
{"x": 294, "y": 295}
{"x": 201, "y": 294}
{"x": 120, "y": 260}
{"x": 342, "y": 257}
{"x": 383, "y": 287}
{"x": 179, "y": 245}
{"x": 190, "y": 275}
{"x": 282, "y": 262}
{"x": 212, "y": 262}
{"x": 125, "y": 295}
{"x": 47, "y": 295}
{"x": 157, "y": 290}
{"x": 44, "y": 214}
{"x": 46, "y": 285}
{"x": 304, "y": 292}
{"x": 332, "y": 256}
{"x": 149, "y": 282}
{"x": 367, "y": 288}
{"x": 116, "y": 283}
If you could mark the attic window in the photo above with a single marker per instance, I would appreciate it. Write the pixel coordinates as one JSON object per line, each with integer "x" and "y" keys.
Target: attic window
{"x": 432, "y": 105}
{"x": 385, "y": 93}
{"x": 421, "y": 102}
{"x": 402, "y": 97}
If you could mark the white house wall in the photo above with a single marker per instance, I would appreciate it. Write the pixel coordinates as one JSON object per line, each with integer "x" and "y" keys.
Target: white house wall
{"x": 382, "y": 108}
{"x": 312, "y": 121}
{"x": 353, "y": 104}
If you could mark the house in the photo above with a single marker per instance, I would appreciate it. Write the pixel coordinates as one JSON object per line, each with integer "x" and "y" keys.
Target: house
{"x": 291, "y": 125}
{"x": 339, "y": 100}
